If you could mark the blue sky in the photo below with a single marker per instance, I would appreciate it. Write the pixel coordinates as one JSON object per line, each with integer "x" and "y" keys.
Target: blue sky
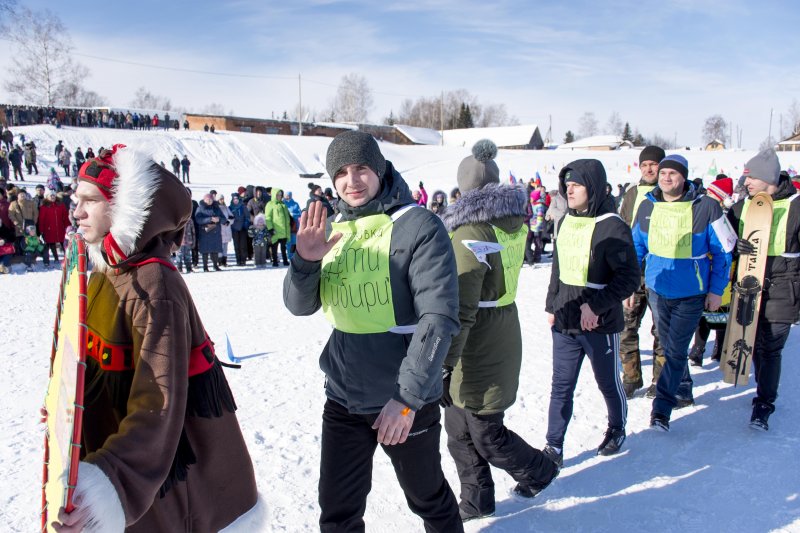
{"x": 663, "y": 66}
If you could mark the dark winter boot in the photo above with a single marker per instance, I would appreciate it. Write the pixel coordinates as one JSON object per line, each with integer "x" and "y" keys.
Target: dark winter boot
{"x": 612, "y": 442}
{"x": 205, "y": 262}
{"x": 651, "y": 391}
{"x": 659, "y": 422}
{"x": 760, "y": 417}
{"x": 554, "y": 455}
{"x": 630, "y": 390}
{"x": 223, "y": 261}
{"x": 215, "y": 261}
{"x": 696, "y": 354}
{"x": 716, "y": 354}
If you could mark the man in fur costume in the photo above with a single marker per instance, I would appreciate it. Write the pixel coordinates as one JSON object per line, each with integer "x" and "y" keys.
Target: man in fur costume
{"x": 481, "y": 370}
{"x": 161, "y": 444}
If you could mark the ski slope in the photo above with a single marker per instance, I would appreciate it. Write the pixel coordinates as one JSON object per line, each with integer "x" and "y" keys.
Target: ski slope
{"x": 711, "y": 472}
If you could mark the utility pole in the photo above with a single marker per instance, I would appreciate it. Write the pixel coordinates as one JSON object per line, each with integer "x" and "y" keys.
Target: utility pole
{"x": 770, "y": 125}
{"x": 299, "y": 106}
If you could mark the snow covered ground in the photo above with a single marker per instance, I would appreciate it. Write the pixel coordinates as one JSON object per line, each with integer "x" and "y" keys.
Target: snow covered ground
{"x": 711, "y": 472}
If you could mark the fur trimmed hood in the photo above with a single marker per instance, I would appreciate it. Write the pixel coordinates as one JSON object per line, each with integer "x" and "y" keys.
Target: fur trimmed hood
{"x": 149, "y": 209}
{"x": 486, "y": 205}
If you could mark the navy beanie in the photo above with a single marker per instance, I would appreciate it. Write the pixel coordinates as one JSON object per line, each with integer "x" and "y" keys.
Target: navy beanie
{"x": 675, "y": 162}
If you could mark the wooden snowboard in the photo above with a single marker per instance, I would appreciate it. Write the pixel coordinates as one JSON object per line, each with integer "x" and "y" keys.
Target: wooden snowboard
{"x": 740, "y": 334}
{"x": 64, "y": 399}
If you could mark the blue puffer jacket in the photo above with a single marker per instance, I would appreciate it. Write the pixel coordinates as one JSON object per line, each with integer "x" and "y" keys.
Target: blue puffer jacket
{"x": 713, "y": 239}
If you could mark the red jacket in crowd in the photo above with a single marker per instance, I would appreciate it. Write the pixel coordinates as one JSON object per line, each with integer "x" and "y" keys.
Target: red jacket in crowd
{"x": 53, "y": 221}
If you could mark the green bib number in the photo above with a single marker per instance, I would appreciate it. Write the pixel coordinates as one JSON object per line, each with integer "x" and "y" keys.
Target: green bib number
{"x": 777, "y": 234}
{"x": 512, "y": 255}
{"x": 355, "y": 289}
{"x": 574, "y": 246}
{"x": 670, "y": 233}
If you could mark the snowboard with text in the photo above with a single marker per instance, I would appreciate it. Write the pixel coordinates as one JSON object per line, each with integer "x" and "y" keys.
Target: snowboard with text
{"x": 740, "y": 334}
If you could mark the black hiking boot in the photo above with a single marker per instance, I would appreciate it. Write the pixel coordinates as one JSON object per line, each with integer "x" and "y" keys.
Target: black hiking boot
{"x": 696, "y": 355}
{"x": 684, "y": 402}
{"x": 760, "y": 417}
{"x": 555, "y": 456}
{"x": 612, "y": 442}
{"x": 467, "y": 517}
{"x": 659, "y": 422}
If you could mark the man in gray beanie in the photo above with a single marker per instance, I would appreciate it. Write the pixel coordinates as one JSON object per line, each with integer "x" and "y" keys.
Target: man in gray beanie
{"x": 384, "y": 274}
{"x": 354, "y": 147}
{"x": 780, "y": 299}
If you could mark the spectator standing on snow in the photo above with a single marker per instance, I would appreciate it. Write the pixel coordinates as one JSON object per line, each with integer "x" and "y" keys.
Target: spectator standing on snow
{"x": 209, "y": 220}
{"x": 185, "y": 163}
{"x": 239, "y": 225}
{"x": 65, "y": 160}
{"x": 227, "y": 234}
{"x": 176, "y": 165}
{"x": 279, "y": 224}
{"x": 53, "y": 222}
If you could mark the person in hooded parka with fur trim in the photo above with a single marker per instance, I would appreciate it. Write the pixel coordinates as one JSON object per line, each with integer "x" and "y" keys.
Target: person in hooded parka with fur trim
{"x": 481, "y": 370}
{"x": 161, "y": 447}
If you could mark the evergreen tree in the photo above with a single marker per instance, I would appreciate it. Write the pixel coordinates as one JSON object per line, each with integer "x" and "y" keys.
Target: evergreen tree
{"x": 468, "y": 122}
{"x": 569, "y": 137}
{"x": 626, "y": 133}
{"x": 285, "y": 116}
{"x": 638, "y": 139}
{"x": 390, "y": 120}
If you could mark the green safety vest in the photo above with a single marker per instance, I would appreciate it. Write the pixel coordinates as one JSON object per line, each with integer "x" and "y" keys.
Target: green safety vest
{"x": 777, "y": 234}
{"x": 512, "y": 256}
{"x": 670, "y": 233}
{"x": 641, "y": 191}
{"x": 355, "y": 286}
{"x": 574, "y": 246}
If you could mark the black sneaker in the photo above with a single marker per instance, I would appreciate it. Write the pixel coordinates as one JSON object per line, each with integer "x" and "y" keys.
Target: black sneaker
{"x": 651, "y": 391}
{"x": 612, "y": 442}
{"x": 659, "y": 422}
{"x": 630, "y": 390}
{"x": 553, "y": 455}
{"x": 760, "y": 417}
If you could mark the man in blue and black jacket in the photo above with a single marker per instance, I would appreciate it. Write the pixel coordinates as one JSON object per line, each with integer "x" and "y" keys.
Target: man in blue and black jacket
{"x": 686, "y": 242}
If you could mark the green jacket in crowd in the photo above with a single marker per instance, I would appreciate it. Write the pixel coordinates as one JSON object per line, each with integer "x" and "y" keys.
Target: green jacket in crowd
{"x": 33, "y": 245}
{"x": 487, "y": 353}
{"x": 277, "y": 217}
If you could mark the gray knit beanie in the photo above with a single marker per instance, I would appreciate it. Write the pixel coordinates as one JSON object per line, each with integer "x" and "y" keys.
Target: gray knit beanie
{"x": 478, "y": 169}
{"x": 354, "y": 148}
{"x": 764, "y": 166}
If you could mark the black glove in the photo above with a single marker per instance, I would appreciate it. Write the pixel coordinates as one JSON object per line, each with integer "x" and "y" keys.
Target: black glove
{"x": 447, "y": 373}
{"x": 421, "y": 186}
{"x": 745, "y": 247}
